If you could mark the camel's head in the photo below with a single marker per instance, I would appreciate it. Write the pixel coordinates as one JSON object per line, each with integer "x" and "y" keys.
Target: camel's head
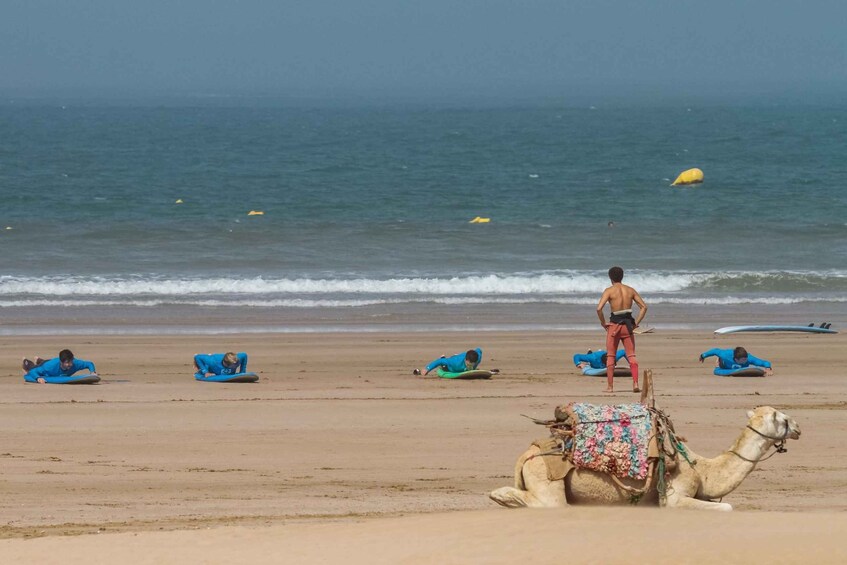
{"x": 772, "y": 423}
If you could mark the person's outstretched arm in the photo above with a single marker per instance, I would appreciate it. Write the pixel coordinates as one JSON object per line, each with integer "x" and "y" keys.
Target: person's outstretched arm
{"x": 581, "y": 358}
{"x": 753, "y": 360}
{"x": 642, "y": 307}
{"x": 710, "y": 353}
{"x": 603, "y": 300}
{"x": 242, "y": 360}
{"x": 80, "y": 364}
{"x": 433, "y": 364}
{"x": 202, "y": 365}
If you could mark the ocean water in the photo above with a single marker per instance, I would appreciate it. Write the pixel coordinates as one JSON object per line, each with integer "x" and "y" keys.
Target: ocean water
{"x": 366, "y": 215}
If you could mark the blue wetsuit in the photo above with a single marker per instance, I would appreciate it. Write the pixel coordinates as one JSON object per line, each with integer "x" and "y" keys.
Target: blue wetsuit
{"x": 53, "y": 368}
{"x": 726, "y": 359}
{"x": 214, "y": 363}
{"x": 595, "y": 359}
{"x": 456, "y": 363}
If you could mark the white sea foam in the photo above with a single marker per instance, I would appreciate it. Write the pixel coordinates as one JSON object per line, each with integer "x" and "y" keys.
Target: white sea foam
{"x": 569, "y": 286}
{"x": 457, "y": 301}
{"x": 543, "y": 283}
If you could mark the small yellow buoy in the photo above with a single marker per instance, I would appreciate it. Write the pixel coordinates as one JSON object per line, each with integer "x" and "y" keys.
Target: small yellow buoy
{"x": 9, "y": 228}
{"x": 178, "y": 201}
{"x": 691, "y": 176}
{"x": 255, "y": 213}
{"x": 479, "y": 220}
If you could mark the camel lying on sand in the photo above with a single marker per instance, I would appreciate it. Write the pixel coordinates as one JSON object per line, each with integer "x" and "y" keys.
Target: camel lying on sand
{"x": 689, "y": 485}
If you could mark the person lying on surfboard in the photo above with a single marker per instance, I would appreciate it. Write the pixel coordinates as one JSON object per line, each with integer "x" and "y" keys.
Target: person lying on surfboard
{"x": 737, "y": 358}
{"x": 595, "y": 359}
{"x": 212, "y": 364}
{"x": 64, "y": 365}
{"x": 458, "y": 363}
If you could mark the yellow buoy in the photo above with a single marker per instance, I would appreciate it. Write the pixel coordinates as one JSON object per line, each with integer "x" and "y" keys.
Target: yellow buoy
{"x": 691, "y": 176}
{"x": 479, "y": 220}
{"x": 178, "y": 201}
{"x": 255, "y": 213}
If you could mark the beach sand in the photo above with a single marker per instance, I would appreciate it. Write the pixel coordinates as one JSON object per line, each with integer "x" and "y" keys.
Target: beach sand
{"x": 340, "y": 453}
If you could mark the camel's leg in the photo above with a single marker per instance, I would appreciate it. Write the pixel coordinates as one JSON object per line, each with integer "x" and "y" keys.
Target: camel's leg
{"x": 544, "y": 492}
{"x": 540, "y": 491}
{"x": 688, "y": 502}
{"x": 509, "y": 497}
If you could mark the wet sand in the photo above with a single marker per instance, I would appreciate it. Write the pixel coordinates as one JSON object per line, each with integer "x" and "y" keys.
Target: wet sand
{"x": 339, "y": 449}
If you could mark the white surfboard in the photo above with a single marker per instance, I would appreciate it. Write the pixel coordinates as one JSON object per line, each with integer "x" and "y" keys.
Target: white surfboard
{"x": 804, "y": 329}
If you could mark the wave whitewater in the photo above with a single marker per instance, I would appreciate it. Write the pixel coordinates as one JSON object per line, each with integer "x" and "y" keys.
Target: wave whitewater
{"x": 458, "y": 301}
{"x": 562, "y": 284}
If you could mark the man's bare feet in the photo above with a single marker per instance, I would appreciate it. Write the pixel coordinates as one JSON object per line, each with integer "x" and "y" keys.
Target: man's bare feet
{"x": 636, "y": 389}
{"x": 608, "y": 390}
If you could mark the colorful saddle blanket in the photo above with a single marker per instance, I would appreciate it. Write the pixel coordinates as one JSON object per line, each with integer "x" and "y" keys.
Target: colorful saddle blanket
{"x": 611, "y": 439}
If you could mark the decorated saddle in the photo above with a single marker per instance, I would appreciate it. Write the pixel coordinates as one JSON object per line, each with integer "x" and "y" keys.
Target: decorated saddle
{"x": 609, "y": 439}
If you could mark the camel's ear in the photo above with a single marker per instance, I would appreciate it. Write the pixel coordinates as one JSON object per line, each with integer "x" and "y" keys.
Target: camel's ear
{"x": 749, "y": 413}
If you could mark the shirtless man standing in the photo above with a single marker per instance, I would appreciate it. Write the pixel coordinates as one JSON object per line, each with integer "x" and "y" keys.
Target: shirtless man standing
{"x": 621, "y": 324}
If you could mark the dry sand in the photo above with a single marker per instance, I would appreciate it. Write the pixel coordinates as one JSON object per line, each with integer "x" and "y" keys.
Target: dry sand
{"x": 340, "y": 453}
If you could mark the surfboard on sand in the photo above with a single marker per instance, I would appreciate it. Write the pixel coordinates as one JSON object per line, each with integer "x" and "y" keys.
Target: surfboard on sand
{"x": 743, "y": 372}
{"x": 601, "y": 372}
{"x": 88, "y": 379}
{"x": 803, "y": 329}
{"x": 236, "y": 378}
{"x": 477, "y": 374}
{"x": 639, "y": 330}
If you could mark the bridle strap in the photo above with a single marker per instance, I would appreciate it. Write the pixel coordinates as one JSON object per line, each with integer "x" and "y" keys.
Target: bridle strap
{"x": 779, "y": 444}
{"x": 783, "y": 438}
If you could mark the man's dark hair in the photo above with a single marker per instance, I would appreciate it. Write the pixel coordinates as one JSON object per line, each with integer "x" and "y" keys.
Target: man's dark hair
{"x": 472, "y": 356}
{"x": 739, "y": 352}
{"x": 616, "y": 274}
{"x": 66, "y": 355}
{"x": 604, "y": 358}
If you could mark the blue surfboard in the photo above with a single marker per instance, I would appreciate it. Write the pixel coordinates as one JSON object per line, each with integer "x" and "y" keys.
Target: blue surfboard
{"x": 87, "y": 379}
{"x": 236, "y": 378}
{"x": 804, "y": 329}
{"x": 619, "y": 372}
{"x": 742, "y": 372}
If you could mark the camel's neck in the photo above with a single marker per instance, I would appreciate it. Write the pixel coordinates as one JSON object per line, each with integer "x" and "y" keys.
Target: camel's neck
{"x": 722, "y": 474}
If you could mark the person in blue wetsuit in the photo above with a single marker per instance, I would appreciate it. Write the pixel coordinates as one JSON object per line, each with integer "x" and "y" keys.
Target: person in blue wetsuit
{"x": 458, "y": 363}
{"x": 212, "y": 364}
{"x": 595, "y": 359}
{"x": 738, "y": 358}
{"x": 64, "y": 365}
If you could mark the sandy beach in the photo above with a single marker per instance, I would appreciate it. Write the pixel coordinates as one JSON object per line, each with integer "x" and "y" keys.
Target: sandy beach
{"x": 339, "y": 452}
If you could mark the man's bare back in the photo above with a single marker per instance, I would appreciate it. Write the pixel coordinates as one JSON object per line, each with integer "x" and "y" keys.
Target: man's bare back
{"x": 620, "y": 297}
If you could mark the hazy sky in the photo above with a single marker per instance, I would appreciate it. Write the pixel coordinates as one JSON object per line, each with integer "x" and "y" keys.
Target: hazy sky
{"x": 438, "y": 47}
